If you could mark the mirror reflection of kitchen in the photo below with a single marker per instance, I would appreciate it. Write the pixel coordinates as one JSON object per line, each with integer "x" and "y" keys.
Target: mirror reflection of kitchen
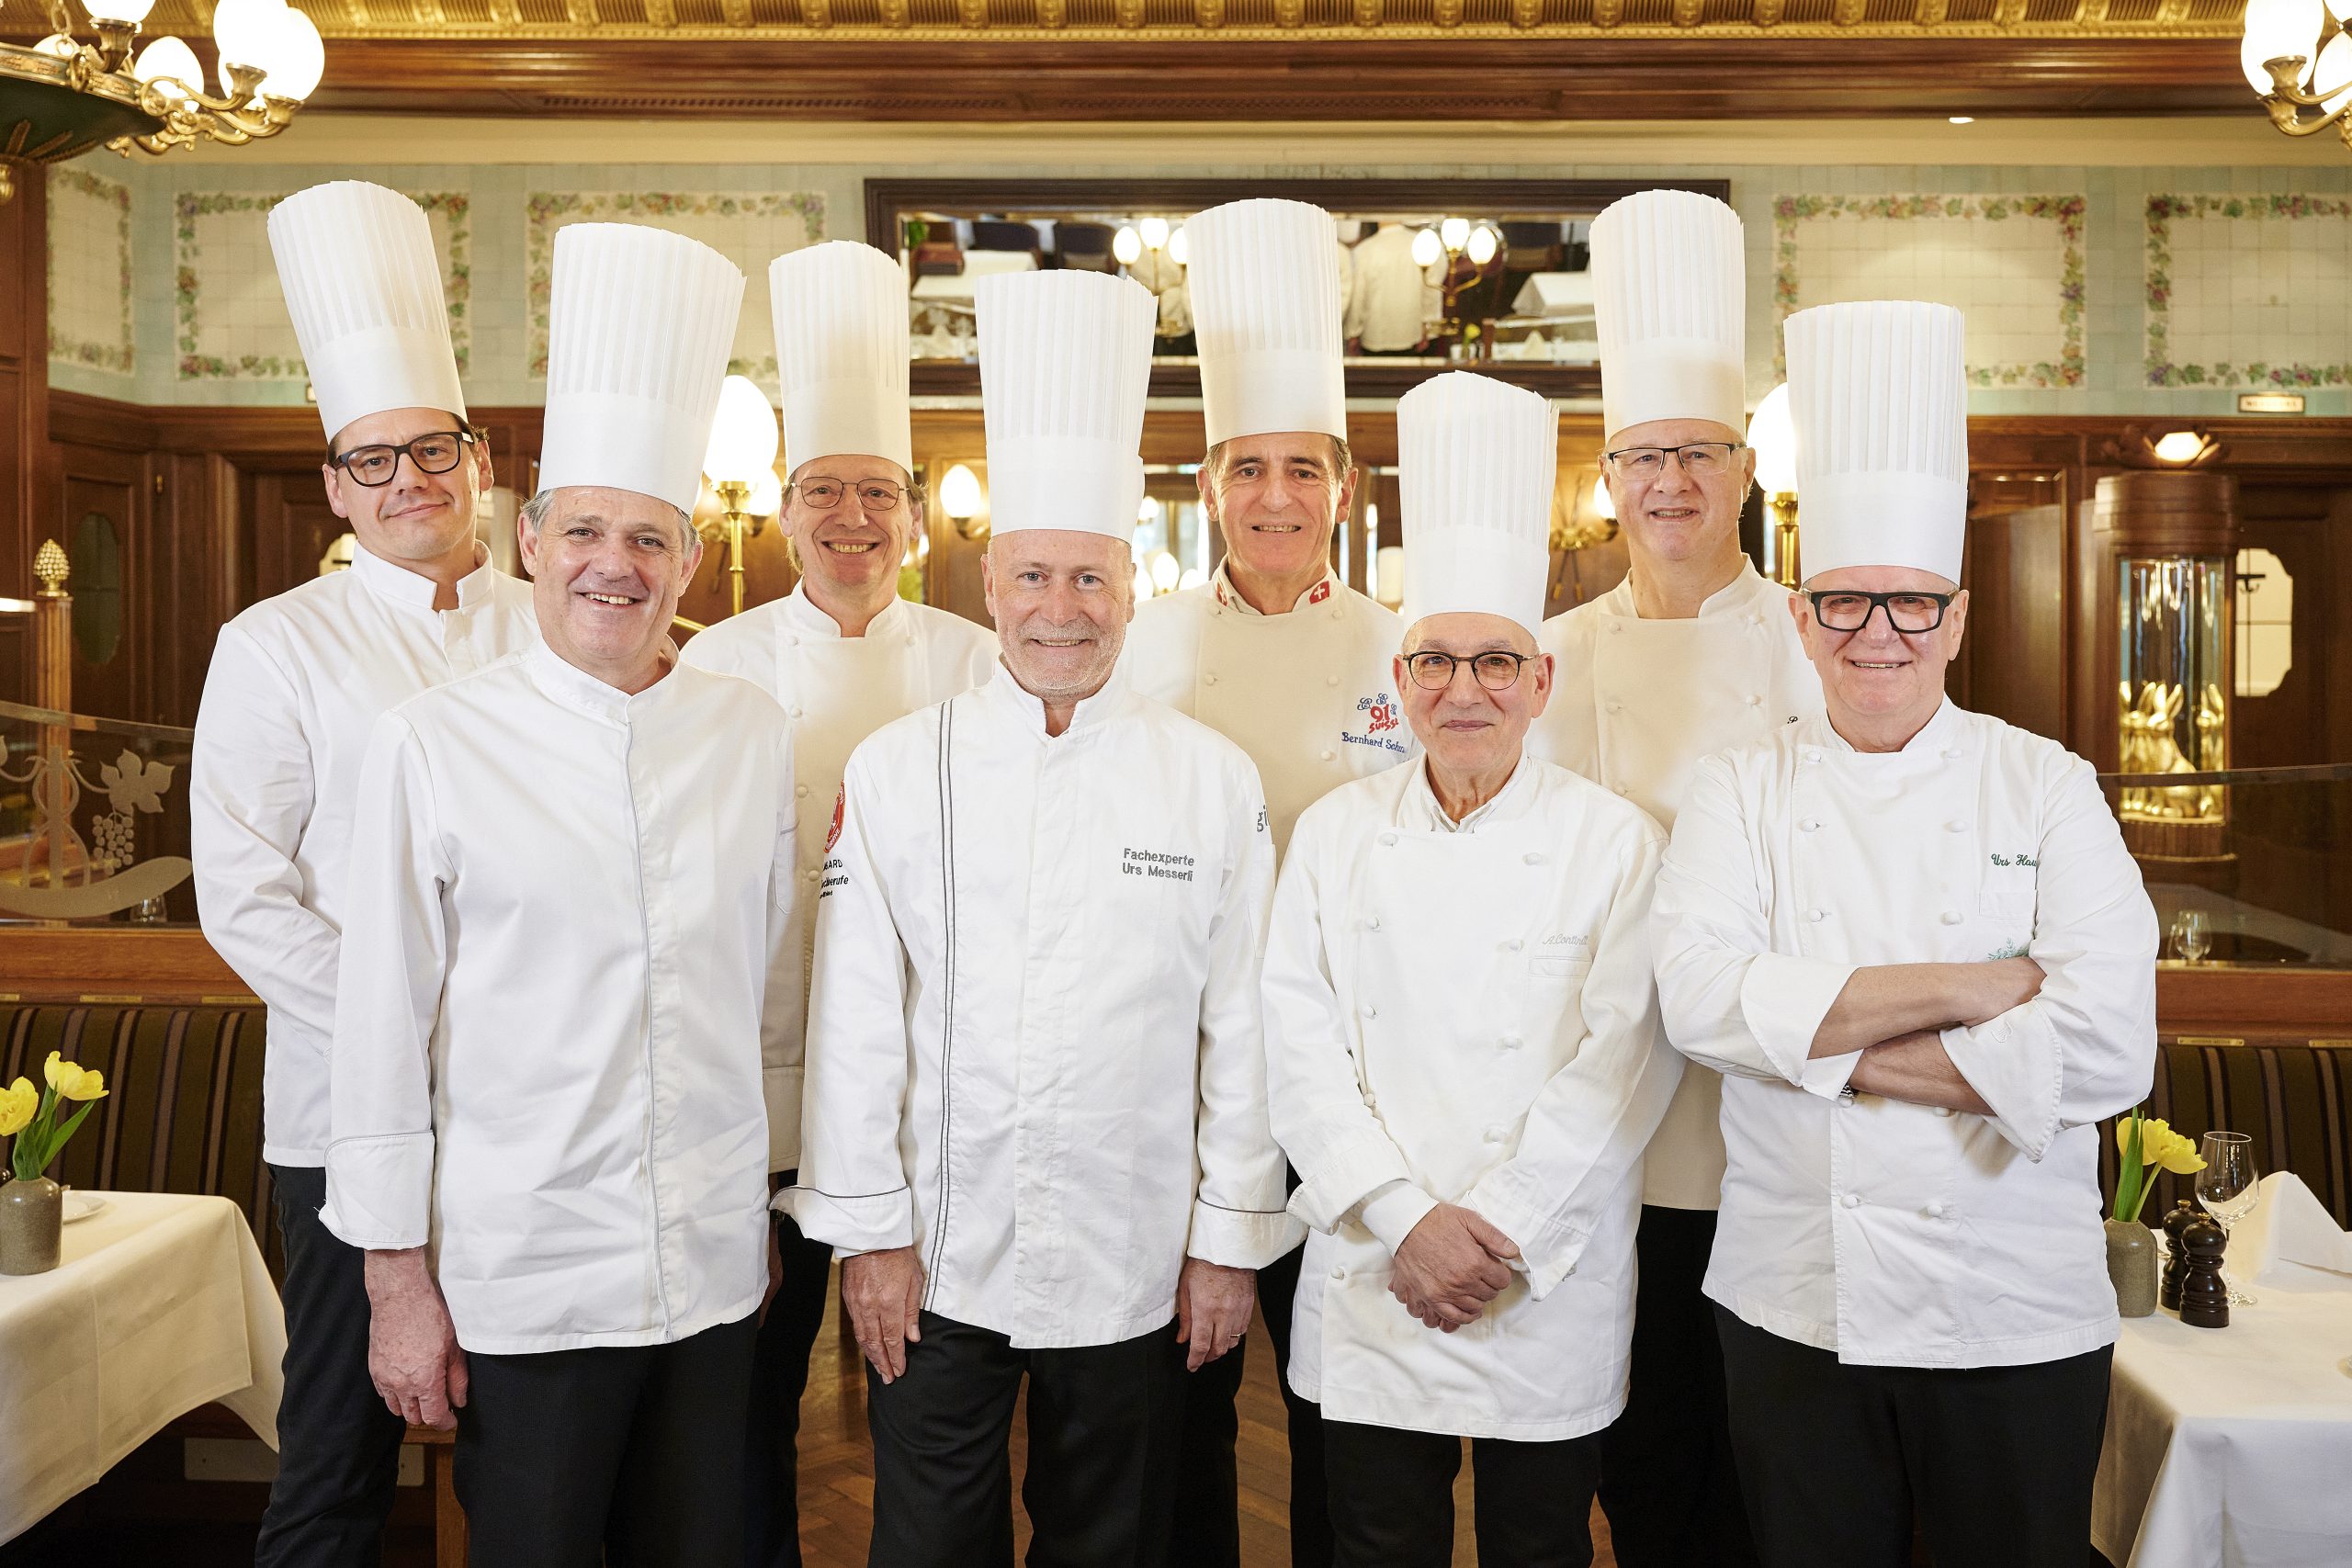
{"x": 1433, "y": 286}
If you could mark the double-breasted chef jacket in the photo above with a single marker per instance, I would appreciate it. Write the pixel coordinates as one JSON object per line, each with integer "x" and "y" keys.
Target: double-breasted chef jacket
{"x": 1035, "y": 1050}
{"x": 295, "y": 685}
{"x": 1310, "y": 696}
{"x": 567, "y": 1005}
{"x": 1901, "y": 1235}
{"x": 837, "y": 691}
{"x": 1466, "y": 1014}
{"x": 1635, "y": 706}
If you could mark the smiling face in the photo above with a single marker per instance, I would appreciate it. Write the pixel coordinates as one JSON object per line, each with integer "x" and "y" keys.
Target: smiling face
{"x": 1277, "y": 499}
{"x": 1061, "y": 601}
{"x": 1673, "y": 517}
{"x": 418, "y": 520}
{"x": 846, "y": 551}
{"x": 607, "y": 567}
{"x": 1878, "y": 680}
{"x": 1467, "y": 731}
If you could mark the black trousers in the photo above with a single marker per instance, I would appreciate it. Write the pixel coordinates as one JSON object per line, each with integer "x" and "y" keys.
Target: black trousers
{"x": 1104, "y": 1422}
{"x": 338, "y": 1447}
{"x": 615, "y": 1457}
{"x": 1668, "y": 1482}
{"x": 1995, "y": 1461}
{"x": 779, "y": 1377}
{"x": 1208, "y": 1526}
{"x": 1392, "y": 1498}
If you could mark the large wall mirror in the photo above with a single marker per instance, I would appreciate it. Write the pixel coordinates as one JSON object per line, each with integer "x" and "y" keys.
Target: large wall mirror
{"x": 1436, "y": 275}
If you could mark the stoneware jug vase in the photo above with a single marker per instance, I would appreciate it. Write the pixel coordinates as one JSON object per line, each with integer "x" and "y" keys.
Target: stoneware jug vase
{"x": 2131, "y": 1267}
{"x": 32, "y": 1225}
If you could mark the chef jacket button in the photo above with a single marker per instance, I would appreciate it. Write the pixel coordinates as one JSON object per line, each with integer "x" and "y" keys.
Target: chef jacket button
{"x": 1387, "y": 838}
{"x": 1331, "y": 680}
{"x": 796, "y": 710}
{"x": 1328, "y": 753}
{"x": 1944, "y": 1110}
{"x": 810, "y": 875}
{"x": 1336, "y": 614}
{"x": 1955, "y": 826}
{"x": 1208, "y": 680}
{"x": 1339, "y": 1274}
{"x": 1851, "y": 1199}
{"x": 1756, "y": 699}
{"x": 1624, "y": 789}
{"x": 1513, "y": 945}
{"x": 1950, "y": 917}
{"x": 1533, "y": 857}
{"x": 1951, "y": 753}
{"x": 1492, "y": 1135}
{"x": 792, "y": 642}
{"x": 910, "y": 639}
{"x": 1810, "y": 825}
{"x": 1615, "y": 628}
{"x": 799, "y": 791}
{"x": 1817, "y": 915}
{"x": 1370, "y": 1012}
{"x": 1372, "y": 923}
{"x": 1813, "y": 756}
{"x": 1755, "y": 620}
{"x": 1511, "y": 1041}
{"x": 1935, "y": 1211}
{"x": 1616, "y": 707}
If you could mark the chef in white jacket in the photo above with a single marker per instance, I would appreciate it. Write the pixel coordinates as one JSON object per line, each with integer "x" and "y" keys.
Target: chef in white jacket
{"x": 1911, "y": 938}
{"x": 567, "y": 1000}
{"x": 1035, "y": 1108}
{"x": 295, "y": 685}
{"x": 844, "y": 655}
{"x": 1280, "y": 656}
{"x": 1463, "y": 1046}
{"x": 1693, "y": 652}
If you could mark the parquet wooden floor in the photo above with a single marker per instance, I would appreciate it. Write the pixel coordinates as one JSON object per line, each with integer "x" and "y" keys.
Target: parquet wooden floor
{"x": 837, "y": 1466}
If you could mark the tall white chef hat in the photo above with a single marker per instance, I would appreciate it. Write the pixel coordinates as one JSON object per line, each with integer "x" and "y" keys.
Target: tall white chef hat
{"x": 1065, "y": 362}
{"x": 640, "y": 322}
{"x": 356, "y": 265}
{"x": 1477, "y": 460}
{"x": 1878, "y": 390}
{"x": 1669, "y": 302}
{"x": 841, "y": 353}
{"x": 1265, "y": 281}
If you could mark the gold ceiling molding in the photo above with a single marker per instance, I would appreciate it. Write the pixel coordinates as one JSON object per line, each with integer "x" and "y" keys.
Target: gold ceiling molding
{"x": 942, "y": 20}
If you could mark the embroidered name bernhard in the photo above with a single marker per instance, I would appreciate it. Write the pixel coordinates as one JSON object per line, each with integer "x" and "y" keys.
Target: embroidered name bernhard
{"x": 1152, "y": 863}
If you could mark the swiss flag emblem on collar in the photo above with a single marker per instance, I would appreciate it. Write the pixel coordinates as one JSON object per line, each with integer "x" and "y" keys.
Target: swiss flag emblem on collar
{"x": 1320, "y": 592}
{"x": 832, "y": 835}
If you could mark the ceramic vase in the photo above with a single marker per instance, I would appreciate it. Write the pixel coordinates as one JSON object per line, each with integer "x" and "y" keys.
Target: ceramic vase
{"x": 2131, "y": 1267}
{"x": 32, "y": 1225}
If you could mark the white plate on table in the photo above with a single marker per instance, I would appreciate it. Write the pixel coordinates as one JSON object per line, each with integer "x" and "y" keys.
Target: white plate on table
{"x": 83, "y": 1205}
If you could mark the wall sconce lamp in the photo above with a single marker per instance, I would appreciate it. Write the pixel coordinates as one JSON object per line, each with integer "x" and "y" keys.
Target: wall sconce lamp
{"x": 965, "y": 503}
{"x": 743, "y": 441}
{"x": 2182, "y": 448}
{"x": 1772, "y": 435}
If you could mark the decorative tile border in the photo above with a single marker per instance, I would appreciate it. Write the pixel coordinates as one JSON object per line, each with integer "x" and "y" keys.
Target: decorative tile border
{"x": 2162, "y": 210}
{"x": 187, "y": 257}
{"x": 119, "y": 355}
{"x": 2067, "y": 211}
{"x": 546, "y": 211}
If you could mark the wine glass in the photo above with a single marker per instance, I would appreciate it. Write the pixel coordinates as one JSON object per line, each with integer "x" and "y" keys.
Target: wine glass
{"x": 2227, "y": 1188}
{"x": 2192, "y": 935}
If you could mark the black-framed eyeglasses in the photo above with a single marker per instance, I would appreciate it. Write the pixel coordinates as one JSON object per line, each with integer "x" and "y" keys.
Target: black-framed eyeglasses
{"x": 1496, "y": 670}
{"x": 1849, "y": 609}
{"x": 824, "y": 493}
{"x": 434, "y": 453}
{"x": 1700, "y": 459}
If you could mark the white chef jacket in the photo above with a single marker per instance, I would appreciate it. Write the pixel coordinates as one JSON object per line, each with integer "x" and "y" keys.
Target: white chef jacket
{"x": 1392, "y": 298}
{"x": 1310, "y": 696}
{"x": 567, "y": 1006}
{"x": 1898, "y": 1235}
{"x": 295, "y": 684}
{"x": 1033, "y": 1043}
{"x": 1465, "y": 1014}
{"x": 1634, "y": 705}
{"x": 837, "y": 691}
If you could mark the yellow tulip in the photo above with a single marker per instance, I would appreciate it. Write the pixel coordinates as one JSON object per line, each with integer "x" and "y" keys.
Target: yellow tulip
{"x": 2178, "y": 1155}
{"x": 72, "y": 1081}
{"x": 18, "y": 1103}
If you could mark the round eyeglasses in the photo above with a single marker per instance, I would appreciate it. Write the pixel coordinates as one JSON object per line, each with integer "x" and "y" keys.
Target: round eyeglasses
{"x": 873, "y": 495}
{"x": 436, "y": 453}
{"x": 1497, "y": 670}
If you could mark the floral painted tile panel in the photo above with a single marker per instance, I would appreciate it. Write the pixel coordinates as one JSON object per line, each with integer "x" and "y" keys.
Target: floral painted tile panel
{"x": 2249, "y": 290}
{"x": 2013, "y": 264}
{"x": 90, "y": 296}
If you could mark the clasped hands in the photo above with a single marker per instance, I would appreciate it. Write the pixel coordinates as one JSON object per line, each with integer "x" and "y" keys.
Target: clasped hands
{"x": 1450, "y": 1266}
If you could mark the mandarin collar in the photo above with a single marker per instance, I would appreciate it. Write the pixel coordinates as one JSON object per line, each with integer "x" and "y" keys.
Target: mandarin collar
{"x": 1115, "y": 698}
{"x": 398, "y": 586}
{"x": 1741, "y": 595}
{"x": 1940, "y": 736}
{"x": 1221, "y": 586}
{"x": 569, "y": 686}
{"x": 807, "y": 618}
{"x": 1422, "y": 812}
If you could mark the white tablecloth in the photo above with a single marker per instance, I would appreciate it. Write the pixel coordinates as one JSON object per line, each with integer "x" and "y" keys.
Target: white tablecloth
{"x": 161, "y": 1304}
{"x": 2231, "y": 1448}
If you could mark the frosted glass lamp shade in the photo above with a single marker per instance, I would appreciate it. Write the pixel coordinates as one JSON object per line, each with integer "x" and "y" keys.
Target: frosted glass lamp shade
{"x": 743, "y": 434}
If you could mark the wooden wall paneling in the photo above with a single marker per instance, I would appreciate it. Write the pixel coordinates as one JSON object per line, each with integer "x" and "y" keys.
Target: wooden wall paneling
{"x": 108, "y": 490}
{"x": 2012, "y": 663}
{"x": 24, "y": 487}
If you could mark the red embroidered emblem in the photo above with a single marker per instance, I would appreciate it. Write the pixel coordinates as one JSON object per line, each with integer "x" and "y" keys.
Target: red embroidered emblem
{"x": 1380, "y": 716}
{"x": 841, "y": 799}
{"x": 1220, "y": 593}
{"x": 1319, "y": 593}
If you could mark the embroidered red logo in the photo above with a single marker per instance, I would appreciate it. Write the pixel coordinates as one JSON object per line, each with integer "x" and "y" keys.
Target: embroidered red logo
{"x": 1320, "y": 592}
{"x": 1220, "y": 593}
{"x": 1379, "y": 716}
{"x": 841, "y": 800}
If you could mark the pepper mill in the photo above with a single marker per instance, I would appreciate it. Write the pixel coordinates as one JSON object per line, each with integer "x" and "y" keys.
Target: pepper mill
{"x": 2204, "y": 1295}
{"x": 2176, "y": 1258}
